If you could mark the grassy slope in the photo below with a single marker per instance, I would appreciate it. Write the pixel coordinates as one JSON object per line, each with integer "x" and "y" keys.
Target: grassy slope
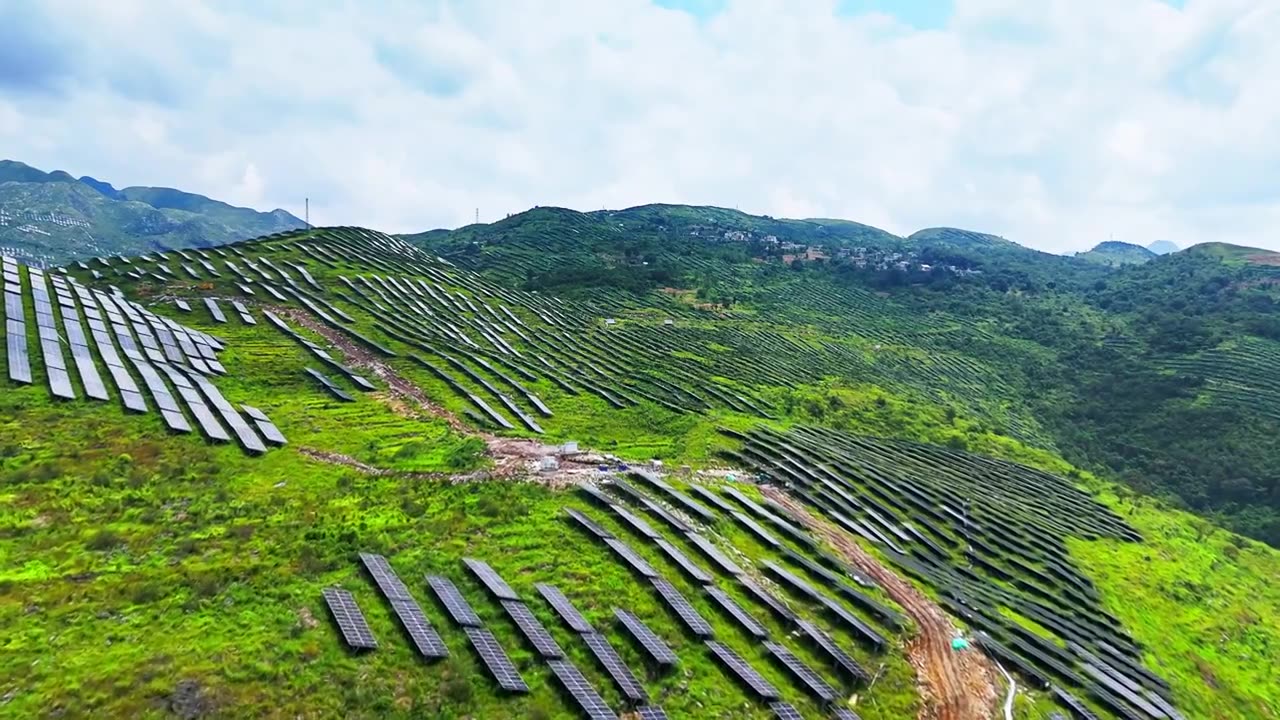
{"x": 195, "y": 564}
{"x": 177, "y": 560}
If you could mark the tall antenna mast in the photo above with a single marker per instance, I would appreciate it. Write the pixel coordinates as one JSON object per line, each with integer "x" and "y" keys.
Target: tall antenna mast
{"x": 477, "y": 216}
{"x": 307, "y": 212}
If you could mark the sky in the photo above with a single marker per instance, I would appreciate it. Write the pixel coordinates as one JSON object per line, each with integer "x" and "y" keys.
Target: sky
{"x": 1055, "y": 123}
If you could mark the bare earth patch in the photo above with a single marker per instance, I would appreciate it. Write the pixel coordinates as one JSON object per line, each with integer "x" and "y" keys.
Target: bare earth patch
{"x": 953, "y": 685}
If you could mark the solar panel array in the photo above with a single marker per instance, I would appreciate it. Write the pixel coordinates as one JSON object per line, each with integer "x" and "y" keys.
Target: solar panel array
{"x": 424, "y": 636}
{"x": 355, "y": 629}
{"x": 736, "y": 611}
{"x": 687, "y": 614}
{"x": 564, "y": 608}
{"x": 752, "y": 679}
{"x": 613, "y": 664}
{"x": 785, "y": 711}
{"x": 491, "y": 579}
{"x": 532, "y": 629}
{"x": 658, "y": 650}
{"x": 593, "y": 706}
{"x": 55, "y": 363}
{"x": 814, "y": 682}
{"x": 453, "y": 602}
{"x": 495, "y": 658}
{"x": 15, "y": 325}
{"x": 175, "y": 363}
{"x": 81, "y": 356}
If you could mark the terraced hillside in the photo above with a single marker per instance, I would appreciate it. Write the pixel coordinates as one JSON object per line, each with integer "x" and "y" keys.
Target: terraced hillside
{"x": 1104, "y": 363}
{"x": 330, "y": 474}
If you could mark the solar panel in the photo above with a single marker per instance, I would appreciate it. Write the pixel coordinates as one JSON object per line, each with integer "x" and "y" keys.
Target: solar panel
{"x": 838, "y": 656}
{"x": 532, "y": 629}
{"x": 845, "y": 714}
{"x": 453, "y": 601}
{"x": 593, "y": 706}
{"x": 613, "y": 664}
{"x": 677, "y": 602}
{"x": 744, "y": 618}
{"x": 785, "y": 711}
{"x": 709, "y": 549}
{"x": 760, "y": 532}
{"x": 384, "y": 577}
{"x": 791, "y": 579}
{"x": 640, "y": 565}
{"x": 214, "y": 310}
{"x": 768, "y": 599}
{"x": 819, "y": 687}
{"x": 743, "y": 670}
{"x": 658, "y": 650}
{"x": 650, "y": 712}
{"x": 690, "y": 568}
{"x": 495, "y": 658}
{"x": 854, "y": 622}
{"x": 638, "y": 524}
{"x": 421, "y": 632}
{"x": 591, "y": 525}
{"x": 596, "y": 493}
{"x": 355, "y": 630}
{"x": 712, "y": 498}
{"x": 491, "y": 579}
{"x": 564, "y": 608}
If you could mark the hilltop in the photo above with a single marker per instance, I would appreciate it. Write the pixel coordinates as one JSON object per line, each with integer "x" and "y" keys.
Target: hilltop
{"x": 801, "y": 463}
{"x": 1186, "y": 335}
{"x": 50, "y": 218}
{"x": 1117, "y": 253}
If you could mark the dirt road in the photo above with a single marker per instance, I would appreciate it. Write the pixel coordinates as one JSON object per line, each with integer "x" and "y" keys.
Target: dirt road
{"x": 953, "y": 685}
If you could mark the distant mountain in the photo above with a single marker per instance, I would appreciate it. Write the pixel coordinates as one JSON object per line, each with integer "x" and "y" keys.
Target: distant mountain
{"x": 1163, "y": 247}
{"x": 1115, "y": 254}
{"x": 51, "y": 217}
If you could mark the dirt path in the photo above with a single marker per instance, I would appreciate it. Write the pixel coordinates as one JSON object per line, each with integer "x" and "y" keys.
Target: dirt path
{"x": 512, "y": 457}
{"x": 953, "y": 685}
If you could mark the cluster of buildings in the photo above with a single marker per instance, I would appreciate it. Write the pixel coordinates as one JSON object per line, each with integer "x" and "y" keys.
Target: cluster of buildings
{"x": 859, "y": 257}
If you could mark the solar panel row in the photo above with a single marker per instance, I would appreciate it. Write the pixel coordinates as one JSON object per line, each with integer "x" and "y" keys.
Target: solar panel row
{"x": 354, "y": 627}
{"x": 593, "y": 706}
{"x": 532, "y": 629}
{"x": 495, "y": 658}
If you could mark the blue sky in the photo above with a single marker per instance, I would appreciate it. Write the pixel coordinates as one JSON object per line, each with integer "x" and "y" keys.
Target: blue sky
{"x": 1056, "y": 123}
{"x": 923, "y": 14}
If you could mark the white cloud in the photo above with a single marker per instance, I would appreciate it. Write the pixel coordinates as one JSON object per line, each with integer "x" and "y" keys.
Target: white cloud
{"x": 1056, "y": 123}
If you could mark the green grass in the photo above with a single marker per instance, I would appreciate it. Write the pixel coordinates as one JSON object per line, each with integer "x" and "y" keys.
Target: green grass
{"x": 1204, "y": 602}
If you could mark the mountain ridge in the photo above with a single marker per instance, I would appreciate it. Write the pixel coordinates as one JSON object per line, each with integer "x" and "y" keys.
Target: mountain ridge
{"x": 51, "y": 217}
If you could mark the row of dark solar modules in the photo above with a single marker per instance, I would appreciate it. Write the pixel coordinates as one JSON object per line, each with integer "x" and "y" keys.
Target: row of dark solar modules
{"x": 357, "y": 634}
{"x": 453, "y": 302}
{"x": 153, "y": 346}
{"x": 871, "y": 487}
{"x": 457, "y": 300}
{"x": 417, "y": 328}
{"x": 813, "y": 683}
{"x": 356, "y": 379}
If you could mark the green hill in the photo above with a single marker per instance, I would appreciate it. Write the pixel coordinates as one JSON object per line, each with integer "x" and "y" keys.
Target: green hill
{"x": 51, "y": 218}
{"x": 865, "y": 441}
{"x": 1117, "y": 253}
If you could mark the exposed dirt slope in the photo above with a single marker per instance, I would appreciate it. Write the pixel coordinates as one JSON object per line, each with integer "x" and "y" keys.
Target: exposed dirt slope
{"x": 953, "y": 685}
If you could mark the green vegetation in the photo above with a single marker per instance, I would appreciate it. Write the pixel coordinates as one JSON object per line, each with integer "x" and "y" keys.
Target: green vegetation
{"x": 1117, "y": 253}
{"x": 148, "y": 574}
{"x": 1159, "y": 374}
{"x": 65, "y": 218}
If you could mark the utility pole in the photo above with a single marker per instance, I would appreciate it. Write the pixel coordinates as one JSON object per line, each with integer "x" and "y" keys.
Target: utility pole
{"x": 307, "y": 212}
{"x": 477, "y": 216}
